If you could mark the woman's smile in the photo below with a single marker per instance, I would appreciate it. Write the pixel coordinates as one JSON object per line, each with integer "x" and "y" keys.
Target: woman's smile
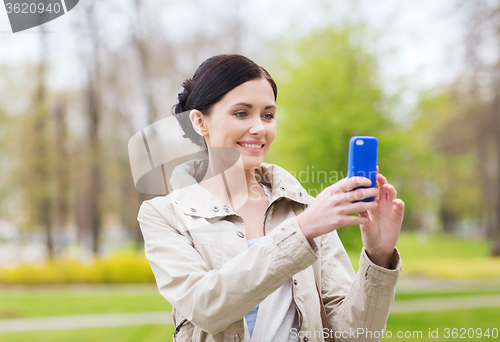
{"x": 254, "y": 146}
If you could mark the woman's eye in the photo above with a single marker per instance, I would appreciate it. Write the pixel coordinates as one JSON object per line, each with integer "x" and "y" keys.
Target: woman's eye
{"x": 238, "y": 114}
{"x": 269, "y": 116}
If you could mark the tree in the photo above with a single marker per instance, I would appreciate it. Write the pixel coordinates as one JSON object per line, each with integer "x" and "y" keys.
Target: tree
{"x": 476, "y": 126}
{"x": 36, "y": 173}
{"x": 90, "y": 214}
{"x": 328, "y": 91}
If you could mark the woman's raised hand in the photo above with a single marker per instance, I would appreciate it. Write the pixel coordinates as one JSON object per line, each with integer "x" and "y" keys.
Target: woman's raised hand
{"x": 331, "y": 209}
{"x": 381, "y": 232}
{"x": 380, "y": 221}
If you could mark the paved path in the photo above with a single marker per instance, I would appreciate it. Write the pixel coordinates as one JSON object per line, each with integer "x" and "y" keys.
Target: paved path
{"x": 144, "y": 318}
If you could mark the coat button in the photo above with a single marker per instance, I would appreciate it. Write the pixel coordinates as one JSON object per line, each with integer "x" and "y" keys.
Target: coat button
{"x": 306, "y": 339}
{"x": 237, "y": 338}
{"x": 295, "y": 282}
{"x": 193, "y": 210}
{"x": 240, "y": 234}
{"x": 226, "y": 209}
{"x": 282, "y": 188}
{"x": 215, "y": 208}
{"x": 300, "y": 194}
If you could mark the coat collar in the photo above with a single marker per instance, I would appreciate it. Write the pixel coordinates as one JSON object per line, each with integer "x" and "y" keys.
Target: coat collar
{"x": 194, "y": 200}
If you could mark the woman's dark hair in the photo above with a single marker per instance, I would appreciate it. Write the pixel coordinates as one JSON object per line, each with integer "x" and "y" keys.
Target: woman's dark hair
{"x": 213, "y": 79}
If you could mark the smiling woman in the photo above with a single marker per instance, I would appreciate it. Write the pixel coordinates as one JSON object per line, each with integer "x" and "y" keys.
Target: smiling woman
{"x": 263, "y": 268}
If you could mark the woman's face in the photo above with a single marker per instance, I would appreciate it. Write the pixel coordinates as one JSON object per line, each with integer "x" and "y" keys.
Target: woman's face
{"x": 244, "y": 119}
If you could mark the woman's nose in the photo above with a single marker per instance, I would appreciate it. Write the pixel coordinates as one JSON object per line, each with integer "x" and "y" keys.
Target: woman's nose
{"x": 257, "y": 126}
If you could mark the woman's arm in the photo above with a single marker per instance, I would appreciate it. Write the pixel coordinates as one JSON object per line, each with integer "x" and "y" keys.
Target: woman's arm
{"x": 213, "y": 299}
{"x": 357, "y": 305}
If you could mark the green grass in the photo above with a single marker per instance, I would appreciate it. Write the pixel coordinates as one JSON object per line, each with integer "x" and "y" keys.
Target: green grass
{"x": 438, "y": 245}
{"x": 143, "y": 333}
{"x": 443, "y": 256}
{"x": 419, "y": 295}
{"x": 434, "y": 256}
{"x": 71, "y": 300}
{"x": 90, "y": 299}
{"x": 423, "y": 321}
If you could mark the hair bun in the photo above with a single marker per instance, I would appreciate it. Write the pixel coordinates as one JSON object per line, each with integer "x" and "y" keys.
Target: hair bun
{"x": 183, "y": 96}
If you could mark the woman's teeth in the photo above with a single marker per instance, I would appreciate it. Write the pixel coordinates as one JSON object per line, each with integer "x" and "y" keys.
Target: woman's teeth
{"x": 252, "y": 145}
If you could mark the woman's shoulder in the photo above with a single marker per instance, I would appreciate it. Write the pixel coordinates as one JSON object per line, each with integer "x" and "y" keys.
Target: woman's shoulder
{"x": 161, "y": 205}
{"x": 160, "y": 200}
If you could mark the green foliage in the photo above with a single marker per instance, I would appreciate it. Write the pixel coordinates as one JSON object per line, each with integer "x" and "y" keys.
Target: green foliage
{"x": 441, "y": 180}
{"x": 329, "y": 91}
{"x": 118, "y": 268}
{"x": 329, "y": 95}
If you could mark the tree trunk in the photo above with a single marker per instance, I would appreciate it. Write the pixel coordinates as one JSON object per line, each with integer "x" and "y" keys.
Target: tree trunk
{"x": 42, "y": 190}
{"x": 61, "y": 170}
{"x": 495, "y": 227}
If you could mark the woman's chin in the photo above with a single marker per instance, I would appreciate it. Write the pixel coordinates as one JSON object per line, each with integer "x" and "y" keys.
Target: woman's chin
{"x": 252, "y": 162}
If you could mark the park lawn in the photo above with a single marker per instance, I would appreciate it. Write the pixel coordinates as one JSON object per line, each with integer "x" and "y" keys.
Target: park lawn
{"x": 443, "y": 256}
{"x": 442, "y": 294}
{"x": 484, "y": 318}
{"x": 91, "y": 299}
{"x": 410, "y": 323}
{"x": 141, "y": 333}
{"x": 22, "y": 302}
{"x": 68, "y": 300}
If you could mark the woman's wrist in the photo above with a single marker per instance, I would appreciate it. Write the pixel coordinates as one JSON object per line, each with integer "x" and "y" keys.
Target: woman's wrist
{"x": 303, "y": 227}
{"x": 381, "y": 259}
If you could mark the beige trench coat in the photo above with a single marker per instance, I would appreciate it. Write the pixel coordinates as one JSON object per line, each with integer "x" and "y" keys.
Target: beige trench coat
{"x": 197, "y": 249}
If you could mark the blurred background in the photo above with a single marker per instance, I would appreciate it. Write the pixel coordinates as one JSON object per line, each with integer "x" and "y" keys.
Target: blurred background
{"x": 422, "y": 76}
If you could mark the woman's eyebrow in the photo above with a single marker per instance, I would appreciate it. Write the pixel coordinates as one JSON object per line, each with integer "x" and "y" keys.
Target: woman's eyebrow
{"x": 251, "y": 106}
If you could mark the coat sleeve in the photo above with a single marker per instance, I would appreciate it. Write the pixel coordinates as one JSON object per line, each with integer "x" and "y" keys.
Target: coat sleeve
{"x": 213, "y": 299}
{"x": 357, "y": 304}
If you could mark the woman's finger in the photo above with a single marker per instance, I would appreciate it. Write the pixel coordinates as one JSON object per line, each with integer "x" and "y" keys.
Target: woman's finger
{"x": 391, "y": 192}
{"x": 382, "y": 180}
{"x": 399, "y": 206}
{"x": 383, "y": 190}
{"x": 360, "y": 194}
{"x": 357, "y": 207}
{"x": 352, "y": 183}
{"x": 364, "y": 214}
{"x": 353, "y": 220}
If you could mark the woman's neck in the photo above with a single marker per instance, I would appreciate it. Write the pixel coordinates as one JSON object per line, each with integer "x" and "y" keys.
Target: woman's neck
{"x": 234, "y": 186}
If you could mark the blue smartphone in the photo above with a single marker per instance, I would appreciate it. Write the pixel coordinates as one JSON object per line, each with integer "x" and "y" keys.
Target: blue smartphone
{"x": 362, "y": 160}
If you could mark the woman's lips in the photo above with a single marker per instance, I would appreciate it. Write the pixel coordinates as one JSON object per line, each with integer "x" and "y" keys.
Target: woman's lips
{"x": 252, "y": 149}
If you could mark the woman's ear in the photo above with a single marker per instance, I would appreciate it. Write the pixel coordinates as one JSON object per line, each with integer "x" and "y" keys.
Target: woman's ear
{"x": 198, "y": 120}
